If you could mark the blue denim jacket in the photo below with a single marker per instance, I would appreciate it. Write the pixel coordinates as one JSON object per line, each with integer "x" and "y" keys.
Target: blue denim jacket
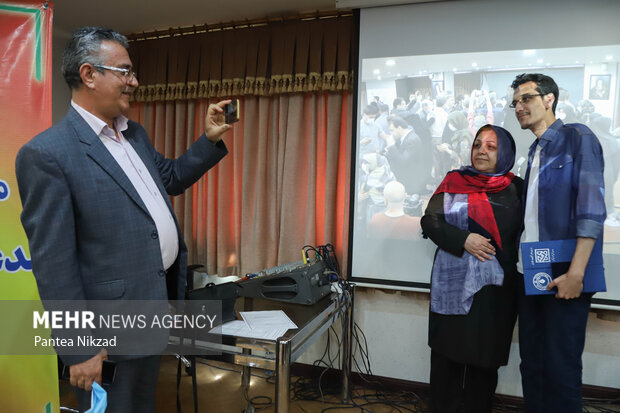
{"x": 571, "y": 190}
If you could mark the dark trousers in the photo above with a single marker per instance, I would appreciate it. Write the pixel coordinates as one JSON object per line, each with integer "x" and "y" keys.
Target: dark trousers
{"x": 133, "y": 390}
{"x": 454, "y": 383}
{"x": 552, "y": 335}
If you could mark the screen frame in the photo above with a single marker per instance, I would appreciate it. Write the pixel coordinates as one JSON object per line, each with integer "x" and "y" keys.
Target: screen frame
{"x": 398, "y": 284}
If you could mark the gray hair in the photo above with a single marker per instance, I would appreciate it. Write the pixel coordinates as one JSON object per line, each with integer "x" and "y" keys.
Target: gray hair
{"x": 84, "y": 47}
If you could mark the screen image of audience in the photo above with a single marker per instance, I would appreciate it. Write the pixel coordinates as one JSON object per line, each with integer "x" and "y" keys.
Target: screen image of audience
{"x": 393, "y": 222}
{"x": 418, "y": 139}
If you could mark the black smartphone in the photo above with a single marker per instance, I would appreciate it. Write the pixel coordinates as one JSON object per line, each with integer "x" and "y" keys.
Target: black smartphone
{"x": 232, "y": 111}
{"x": 108, "y": 371}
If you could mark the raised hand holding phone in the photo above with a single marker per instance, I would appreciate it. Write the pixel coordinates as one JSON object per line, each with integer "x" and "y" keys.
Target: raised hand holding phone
{"x": 215, "y": 121}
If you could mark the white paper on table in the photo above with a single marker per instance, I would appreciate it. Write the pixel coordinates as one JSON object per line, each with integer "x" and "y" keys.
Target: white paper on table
{"x": 240, "y": 328}
{"x": 276, "y": 319}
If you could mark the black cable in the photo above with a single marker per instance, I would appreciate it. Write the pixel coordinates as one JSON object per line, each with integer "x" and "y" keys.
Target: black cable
{"x": 305, "y": 249}
{"x": 309, "y": 389}
{"x": 314, "y": 389}
{"x": 338, "y": 345}
{"x": 256, "y": 400}
{"x": 363, "y": 350}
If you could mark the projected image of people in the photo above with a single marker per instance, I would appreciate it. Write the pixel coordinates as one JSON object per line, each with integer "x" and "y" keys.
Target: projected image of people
{"x": 394, "y": 223}
{"x": 370, "y": 132}
{"x": 409, "y": 156}
{"x": 474, "y": 218}
{"x": 426, "y": 111}
{"x": 374, "y": 174}
{"x": 393, "y": 173}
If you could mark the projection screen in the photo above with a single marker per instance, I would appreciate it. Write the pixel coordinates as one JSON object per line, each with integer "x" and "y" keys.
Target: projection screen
{"x": 445, "y": 68}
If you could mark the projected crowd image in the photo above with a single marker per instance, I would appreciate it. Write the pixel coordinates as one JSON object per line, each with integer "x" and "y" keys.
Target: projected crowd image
{"x": 417, "y": 119}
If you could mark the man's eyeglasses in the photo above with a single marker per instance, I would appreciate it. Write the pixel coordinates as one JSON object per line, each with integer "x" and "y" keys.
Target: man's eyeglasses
{"x": 523, "y": 100}
{"x": 127, "y": 74}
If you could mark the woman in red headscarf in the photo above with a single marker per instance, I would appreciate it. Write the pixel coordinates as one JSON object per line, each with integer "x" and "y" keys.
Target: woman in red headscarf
{"x": 474, "y": 217}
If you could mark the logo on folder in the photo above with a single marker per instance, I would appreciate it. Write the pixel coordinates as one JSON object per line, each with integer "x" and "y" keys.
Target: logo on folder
{"x": 542, "y": 255}
{"x": 541, "y": 281}
{"x": 545, "y": 260}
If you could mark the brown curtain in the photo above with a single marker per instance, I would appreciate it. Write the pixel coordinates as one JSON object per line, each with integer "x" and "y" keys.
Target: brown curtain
{"x": 283, "y": 57}
{"x": 283, "y": 185}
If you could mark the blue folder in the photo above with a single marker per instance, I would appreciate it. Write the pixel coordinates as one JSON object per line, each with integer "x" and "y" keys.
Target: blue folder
{"x": 545, "y": 260}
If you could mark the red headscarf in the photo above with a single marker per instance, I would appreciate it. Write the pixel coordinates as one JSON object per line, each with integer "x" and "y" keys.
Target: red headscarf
{"x": 468, "y": 180}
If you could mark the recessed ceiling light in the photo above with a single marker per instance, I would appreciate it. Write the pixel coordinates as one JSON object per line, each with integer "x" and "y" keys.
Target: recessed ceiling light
{"x": 529, "y": 52}
{"x": 474, "y": 64}
{"x": 378, "y": 77}
{"x": 390, "y": 62}
{"x": 376, "y": 72}
{"x": 609, "y": 57}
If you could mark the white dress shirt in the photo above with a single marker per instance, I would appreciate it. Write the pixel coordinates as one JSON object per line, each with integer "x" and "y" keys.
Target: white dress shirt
{"x": 141, "y": 179}
{"x": 530, "y": 220}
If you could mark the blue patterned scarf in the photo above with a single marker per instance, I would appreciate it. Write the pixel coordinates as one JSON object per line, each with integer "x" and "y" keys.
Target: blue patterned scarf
{"x": 455, "y": 280}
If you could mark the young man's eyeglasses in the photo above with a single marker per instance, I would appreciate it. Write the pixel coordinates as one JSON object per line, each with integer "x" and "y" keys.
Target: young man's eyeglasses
{"x": 127, "y": 74}
{"x": 523, "y": 100}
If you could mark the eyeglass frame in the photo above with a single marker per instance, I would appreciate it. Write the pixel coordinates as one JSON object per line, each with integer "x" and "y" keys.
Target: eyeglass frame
{"x": 128, "y": 74}
{"x": 527, "y": 97}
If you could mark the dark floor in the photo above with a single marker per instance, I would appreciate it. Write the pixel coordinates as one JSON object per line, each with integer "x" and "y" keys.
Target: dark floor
{"x": 220, "y": 391}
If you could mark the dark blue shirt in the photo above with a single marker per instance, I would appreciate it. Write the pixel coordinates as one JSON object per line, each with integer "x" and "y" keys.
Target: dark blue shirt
{"x": 571, "y": 191}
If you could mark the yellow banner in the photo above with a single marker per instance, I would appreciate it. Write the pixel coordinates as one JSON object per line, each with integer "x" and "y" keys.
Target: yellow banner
{"x": 27, "y": 383}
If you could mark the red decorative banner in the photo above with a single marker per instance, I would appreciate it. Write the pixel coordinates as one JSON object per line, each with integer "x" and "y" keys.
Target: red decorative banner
{"x": 27, "y": 383}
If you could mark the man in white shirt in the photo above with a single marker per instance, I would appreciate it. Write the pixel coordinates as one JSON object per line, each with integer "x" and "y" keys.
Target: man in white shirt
{"x": 96, "y": 210}
{"x": 564, "y": 199}
{"x": 441, "y": 117}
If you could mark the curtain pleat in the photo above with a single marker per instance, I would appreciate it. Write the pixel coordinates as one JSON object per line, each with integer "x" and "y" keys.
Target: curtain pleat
{"x": 282, "y": 57}
{"x": 283, "y": 184}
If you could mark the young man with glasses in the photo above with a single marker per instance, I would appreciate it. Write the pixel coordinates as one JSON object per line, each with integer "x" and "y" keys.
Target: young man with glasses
{"x": 563, "y": 198}
{"x": 96, "y": 207}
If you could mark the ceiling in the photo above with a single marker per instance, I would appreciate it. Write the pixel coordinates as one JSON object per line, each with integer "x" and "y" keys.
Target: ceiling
{"x": 133, "y": 16}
